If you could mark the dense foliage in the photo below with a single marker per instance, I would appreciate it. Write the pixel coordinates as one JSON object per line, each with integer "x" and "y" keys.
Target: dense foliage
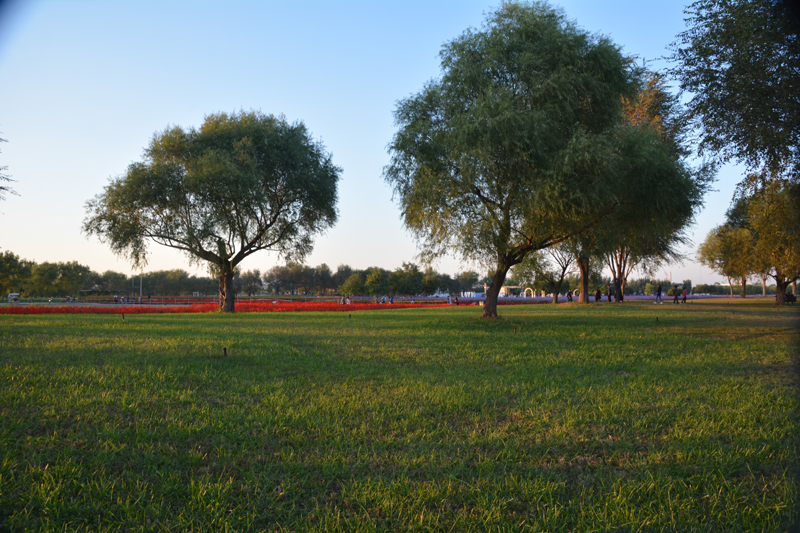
{"x": 759, "y": 237}
{"x": 739, "y": 60}
{"x": 31, "y": 279}
{"x": 294, "y": 278}
{"x": 536, "y": 133}
{"x": 774, "y": 218}
{"x": 502, "y": 156}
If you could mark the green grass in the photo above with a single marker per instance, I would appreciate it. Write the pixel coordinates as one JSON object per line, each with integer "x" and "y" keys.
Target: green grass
{"x": 588, "y": 418}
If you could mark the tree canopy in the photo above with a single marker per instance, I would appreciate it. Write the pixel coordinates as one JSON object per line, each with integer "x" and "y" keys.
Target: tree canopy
{"x": 759, "y": 236}
{"x": 739, "y": 60}
{"x": 239, "y": 184}
{"x": 730, "y": 252}
{"x": 507, "y": 152}
{"x": 774, "y": 218}
{"x": 662, "y": 192}
{"x": 13, "y": 272}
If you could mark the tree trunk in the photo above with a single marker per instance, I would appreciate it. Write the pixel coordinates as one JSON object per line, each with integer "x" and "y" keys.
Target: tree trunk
{"x": 583, "y": 266}
{"x": 744, "y": 287}
{"x": 558, "y": 285}
{"x": 490, "y": 305}
{"x": 619, "y": 287}
{"x": 780, "y": 292}
{"x": 619, "y": 277}
{"x": 226, "y": 293}
{"x": 731, "y": 286}
{"x": 763, "y": 284}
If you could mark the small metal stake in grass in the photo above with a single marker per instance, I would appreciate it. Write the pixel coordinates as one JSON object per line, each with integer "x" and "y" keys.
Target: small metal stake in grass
{"x": 349, "y": 316}
{"x": 225, "y": 352}
{"x": 123, "y": 317}
{"x": 515, "y": 331}
{"x": 656, "y": 319}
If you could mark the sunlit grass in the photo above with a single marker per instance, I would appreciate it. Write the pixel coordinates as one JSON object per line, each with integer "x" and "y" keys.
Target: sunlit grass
{"x": 554, "y": 418}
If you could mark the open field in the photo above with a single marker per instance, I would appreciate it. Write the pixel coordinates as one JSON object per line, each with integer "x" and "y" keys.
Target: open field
{"x": 631, "y": 417}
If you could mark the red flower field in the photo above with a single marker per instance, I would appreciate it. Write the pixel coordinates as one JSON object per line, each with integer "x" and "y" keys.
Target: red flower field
{"x": 276, "y": 306}
{"x": 243, "y": 306}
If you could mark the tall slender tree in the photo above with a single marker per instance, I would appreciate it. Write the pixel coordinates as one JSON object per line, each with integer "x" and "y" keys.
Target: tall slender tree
{"x": 774, "y": 217}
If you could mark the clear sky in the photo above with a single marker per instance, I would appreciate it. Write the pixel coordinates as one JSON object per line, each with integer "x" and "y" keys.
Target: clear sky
{"x": 86, "y": 84}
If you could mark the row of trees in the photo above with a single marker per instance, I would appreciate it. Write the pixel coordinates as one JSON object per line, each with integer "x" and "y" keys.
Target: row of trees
{"x": 758, "y": 238}
{"x": 405, "y": 280}
{"x": 40, "y": 279}
{"x": 31, "y": 279}
{"x": 752, "y": 290}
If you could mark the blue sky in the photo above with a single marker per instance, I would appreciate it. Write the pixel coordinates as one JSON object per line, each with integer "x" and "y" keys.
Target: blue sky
{"x": 86, "y": 84}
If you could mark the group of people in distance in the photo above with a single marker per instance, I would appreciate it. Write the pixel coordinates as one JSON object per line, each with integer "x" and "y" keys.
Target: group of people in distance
{"x": 599, "y": 295}
{"x": 676, "y": 293}
{"x": 378, "y": 300}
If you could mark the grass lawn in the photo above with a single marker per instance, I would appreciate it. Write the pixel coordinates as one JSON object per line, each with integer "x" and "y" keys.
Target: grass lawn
{"x": 631, "y": 417}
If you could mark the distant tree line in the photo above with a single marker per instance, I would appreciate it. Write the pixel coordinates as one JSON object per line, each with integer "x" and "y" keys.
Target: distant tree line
{"x": 31, "y": 279}
{"x": 294, "y": 278}
{"x": 719, "y": 290}
{"x": 46, "y": 279}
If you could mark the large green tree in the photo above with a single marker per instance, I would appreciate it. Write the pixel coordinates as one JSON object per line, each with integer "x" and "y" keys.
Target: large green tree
{"x": 250, "y": 281}
{"x": 774, "y": 218}
{"x": 733, "y": 250}
{"x": 343, "y": 272}
{"x": 57, "y": 279}
{"x": 239, "y": 184}
{"x": 730, "y": 251}
{"x": 376, "y": 281}
{"x": 14, "y": 273}
{"x": 739, "y": 60}
{"x": 506, "y": 152}
{"x": 406, "y": 280}
{"x": 663, "y": 192}
{"x": 467, "y": 281}
{"x": 353, "y": 285}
